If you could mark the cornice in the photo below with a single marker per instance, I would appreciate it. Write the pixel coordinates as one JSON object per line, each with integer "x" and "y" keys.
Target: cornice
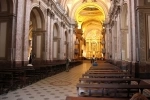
{"x": 55, "y": 9}
{"x": 142, "y": 7}
{"x": 67, "y": 21}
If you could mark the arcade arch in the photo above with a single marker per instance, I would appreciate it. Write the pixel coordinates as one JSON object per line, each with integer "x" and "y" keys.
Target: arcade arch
{"x": 56, "y": 42}
{"x": 36, "y": 34}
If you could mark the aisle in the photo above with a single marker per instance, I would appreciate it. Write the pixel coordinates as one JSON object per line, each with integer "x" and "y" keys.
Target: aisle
{"x": 56, "y": 87}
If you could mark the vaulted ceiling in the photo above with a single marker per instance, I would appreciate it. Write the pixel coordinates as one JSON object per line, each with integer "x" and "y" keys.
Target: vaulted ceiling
{"x": 89, "y": 14}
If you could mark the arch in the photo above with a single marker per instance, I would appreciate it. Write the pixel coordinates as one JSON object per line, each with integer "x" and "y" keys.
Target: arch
{"x": 100, "y": 5}
{"x": 124, "y": 14}
{"x": 89, "y": 4}
{"x": 86, "y": 10}
{"x": 56, "y": 42}
{"x": 36, "y": 34}
{"x": 88, "y": 25}
{"x": 37, "y": 18}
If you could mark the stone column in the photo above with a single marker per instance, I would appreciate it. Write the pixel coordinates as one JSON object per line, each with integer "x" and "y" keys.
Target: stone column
{"x": 47, "y": 37}
{"x": 19, "y": 41}
{"x": 119, "y": 42}
{"x": 107, "y": 43}
{"x": 62, "y": 41}
{"x": 111, "y": 44}
{"x": 69, "y": 44}
{"x": 72, "y": 42}
{"x": 124, "y": 43}
{"x": 114, "y": 42}
{"x": 26, "y": 31}
{"x": 51, "y": 36}
{"x": 132, "y": 32}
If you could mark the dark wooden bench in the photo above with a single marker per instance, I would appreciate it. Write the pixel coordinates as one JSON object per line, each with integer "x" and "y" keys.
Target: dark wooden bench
{"x": 103, "y": 68}
{"x": 106, "y": 75}
{"x": 90, "y": 98}
{"x": 106, "y": 72}
{"x": 6, "y": 81}
{"x": 109, "y": 80}
{"x": 114, "y": 87}
{"x": 14, "y": 76}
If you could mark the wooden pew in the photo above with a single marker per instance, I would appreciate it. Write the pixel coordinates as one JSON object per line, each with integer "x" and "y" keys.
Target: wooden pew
{"x": 90, "y": 98}
{"x": 109, "y": 80}
{"x": 115, "y": 87}
{"x": 6, "y": 81}
{"x": 107, "y": 75}
{"x": 16, "y": 80}
{"x": 106, "y": 72}
{"x": 103, "y": 68}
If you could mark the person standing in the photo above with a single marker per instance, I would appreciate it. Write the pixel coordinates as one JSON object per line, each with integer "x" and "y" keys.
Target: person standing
{"x": 30, "y": 60}
{"x": 95, "y": 63}
{"x": 93, "y": 59}
{"x": 67, "y": 65}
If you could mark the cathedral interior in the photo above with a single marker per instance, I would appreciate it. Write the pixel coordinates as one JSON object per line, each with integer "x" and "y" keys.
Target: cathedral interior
{"x": 47, "y": 32}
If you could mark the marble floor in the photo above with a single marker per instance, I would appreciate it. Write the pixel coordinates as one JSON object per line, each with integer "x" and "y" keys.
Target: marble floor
{"x": 56, "y": 87}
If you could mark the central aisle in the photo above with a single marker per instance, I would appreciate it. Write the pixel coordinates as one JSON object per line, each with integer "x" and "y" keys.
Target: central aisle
{"x": 56, "y": 87}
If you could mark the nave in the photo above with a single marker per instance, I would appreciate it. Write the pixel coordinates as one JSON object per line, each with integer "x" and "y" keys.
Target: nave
{"x": 56, "y": 87}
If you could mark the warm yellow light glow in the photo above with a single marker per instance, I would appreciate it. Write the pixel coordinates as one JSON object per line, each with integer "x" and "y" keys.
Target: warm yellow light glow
{"x": 90, "y": 17}
{"x": 89, "y": 14}
{"x": 79, "y": 25}
{"x": 85, "y": 5}
{"x": 84, "y": 54}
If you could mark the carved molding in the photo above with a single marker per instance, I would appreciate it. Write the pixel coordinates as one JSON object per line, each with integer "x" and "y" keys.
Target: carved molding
{"x": 114, "y": 11}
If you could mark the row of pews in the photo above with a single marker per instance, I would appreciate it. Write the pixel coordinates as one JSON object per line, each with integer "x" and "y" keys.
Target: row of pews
{"x": 18, "y": 77}
{"x": 107, "y": 82}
